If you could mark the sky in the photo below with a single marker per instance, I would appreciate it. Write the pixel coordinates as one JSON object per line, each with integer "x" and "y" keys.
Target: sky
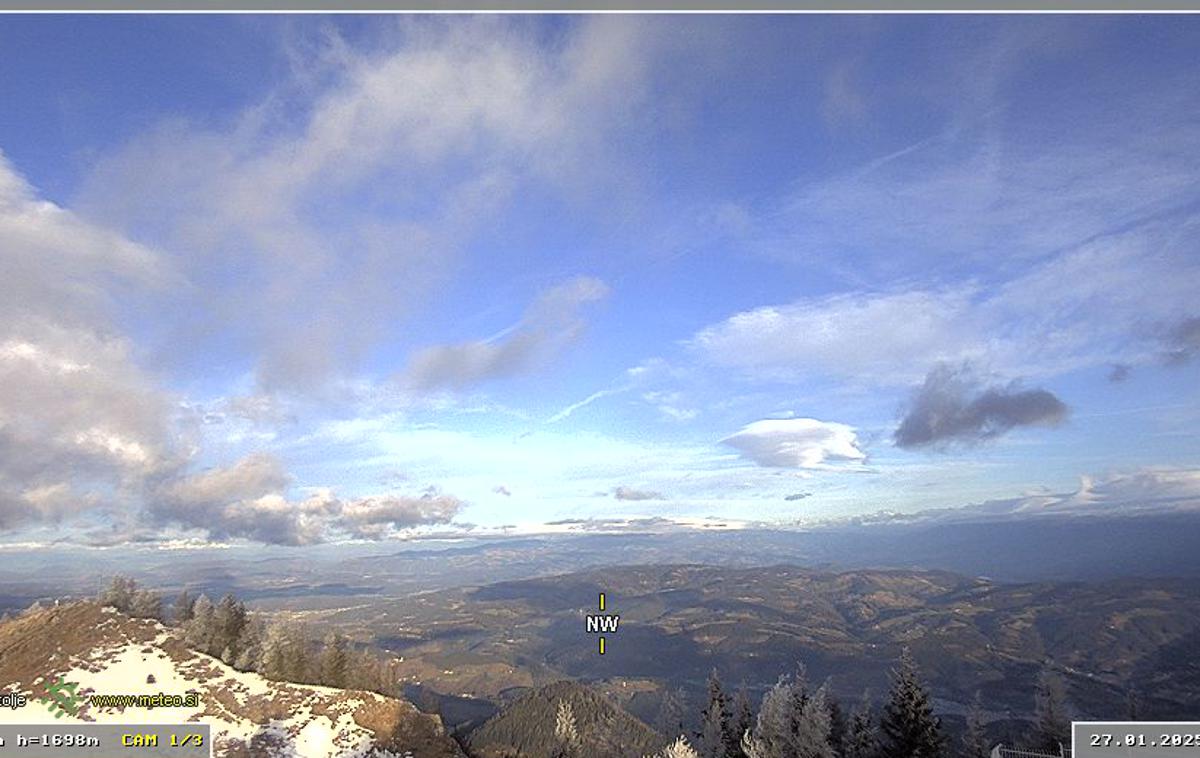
{"x": 306, "y": 279}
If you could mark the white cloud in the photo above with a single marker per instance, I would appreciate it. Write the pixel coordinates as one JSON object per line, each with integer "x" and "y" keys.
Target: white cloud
{"x": 671, "y": 405}
{"x": 311, "y": 227}
{"x": 83, "y": 428}
{"x": 893, "y": 337}
{"x": 1154, "y": 489}
{"x": 1017, "y": 241}
{"x": 380, "y": 516}
{"x": 1074, "y": 310}
{"x": 248, "y": 500}
{"x": 81, "y": 425}
{"x": 803, "y": 443}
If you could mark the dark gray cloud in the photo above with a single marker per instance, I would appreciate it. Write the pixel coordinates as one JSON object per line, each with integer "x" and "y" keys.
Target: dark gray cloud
{"x": 798, "y": 496}
{"x": 629, "y": 493}
{"x": 1183, "y": 342}
{"x": 952, "y": 407}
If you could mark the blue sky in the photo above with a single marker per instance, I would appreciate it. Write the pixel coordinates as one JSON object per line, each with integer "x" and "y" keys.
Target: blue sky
{"x": 303, "y": 279}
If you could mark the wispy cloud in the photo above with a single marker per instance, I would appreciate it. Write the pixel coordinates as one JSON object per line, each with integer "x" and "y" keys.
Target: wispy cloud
{"x": 549, "y": 325}
{"x": 566, "y": 412}
{"x": 322, "y": 216}
{"x": 631, "y": 493}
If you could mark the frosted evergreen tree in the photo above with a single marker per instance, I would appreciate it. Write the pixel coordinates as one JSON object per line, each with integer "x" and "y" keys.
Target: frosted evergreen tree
{"x": 752, "y": 748}
{"x": 250, "y": 645}
{"x": 145, "y": 605}
{"x": 198, "y": 633}
{"x": 283, "y": 653}
{"x": 974, "y": 739}
{"x": 229, "y": 618}
{"x": 334, "y": 662}
{"x": 792, "y": 722}
{"x": 119, "y": 593}
{"x": 184, "y": 607}
{"x": 772, "y": 733}
{"x": 566, "y": 732}
{"x": 811, "y": 736}
{"x": 677, "y": 749}
{"x": 909, "y": 727}
{"x": 1051, "y": 714}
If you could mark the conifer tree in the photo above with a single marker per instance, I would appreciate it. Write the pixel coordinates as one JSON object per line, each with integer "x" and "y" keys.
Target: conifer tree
{"x": 909, "y": 727}
{"x": 229, "y": 618}
{"x": 677, "y": 749}
{"x": 198, "y": 634}
{"x": 284, "y": 655}
{"x": 716, "y": 738}
{"x": 773, "y": 729}
{"x": 145, "y": 605}
{"x": 811, "y": 738}
{"x": 566, "y": 732}
{"x": 249, "y": 645}
{"x": 672, "y": 710}
{"x": 861, "y": 741}
{"x": 334, "y": 661}
{"x": 1052, "y": 722}
{"x": 837, "y": 726}
{"x": 974, "y": 740}
{"x": 792, "y": 722}
{"x": 119, "y": 593}
{"x": 184, "y": 607}
{"x": 741, "y": 719}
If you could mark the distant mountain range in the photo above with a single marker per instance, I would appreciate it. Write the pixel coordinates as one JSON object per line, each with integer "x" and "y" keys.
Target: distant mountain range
{"x": 1045, "y": 547}
{"x": 1107, "y": 639}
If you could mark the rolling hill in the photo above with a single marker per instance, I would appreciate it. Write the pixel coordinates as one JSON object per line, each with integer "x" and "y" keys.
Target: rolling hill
{"x": 752, "y": 624}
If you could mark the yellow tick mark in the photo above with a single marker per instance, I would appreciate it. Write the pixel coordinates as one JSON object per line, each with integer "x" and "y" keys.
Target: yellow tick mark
{"x": 602, "y": 645}
{"x": 601, "y": 601}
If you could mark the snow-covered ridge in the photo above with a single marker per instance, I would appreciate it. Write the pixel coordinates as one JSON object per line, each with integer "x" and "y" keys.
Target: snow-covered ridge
{"x": 105, "y": 652}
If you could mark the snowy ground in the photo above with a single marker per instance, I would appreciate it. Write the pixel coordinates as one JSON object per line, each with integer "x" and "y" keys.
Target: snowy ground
{"x": 294, "y": 720}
